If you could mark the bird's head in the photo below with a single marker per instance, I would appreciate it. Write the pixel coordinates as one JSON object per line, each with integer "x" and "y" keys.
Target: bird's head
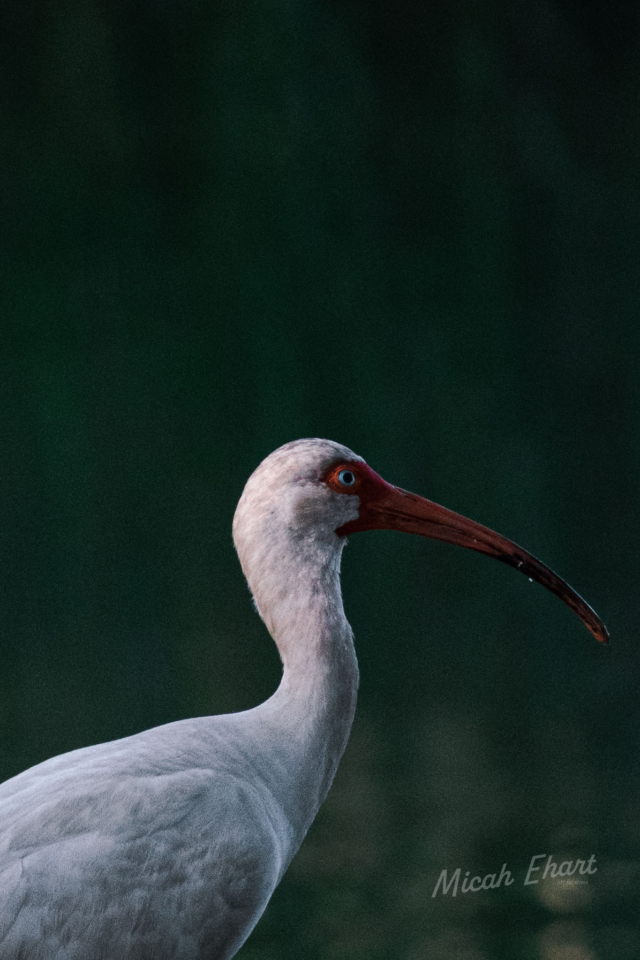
{"x": 288, "y": 500}
{"x": 307, "y": 496}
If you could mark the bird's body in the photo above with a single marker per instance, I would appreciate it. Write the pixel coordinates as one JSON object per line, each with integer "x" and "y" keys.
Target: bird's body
{"x": 155, "y": 846}
{"x": 168, "y": 844}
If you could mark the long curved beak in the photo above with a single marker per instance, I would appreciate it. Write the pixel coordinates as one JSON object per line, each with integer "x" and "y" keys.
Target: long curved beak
{"x": 395, "y": 509}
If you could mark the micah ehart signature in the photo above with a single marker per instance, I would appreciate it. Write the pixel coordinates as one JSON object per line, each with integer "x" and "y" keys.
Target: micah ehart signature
{"x": 567, "y": 868}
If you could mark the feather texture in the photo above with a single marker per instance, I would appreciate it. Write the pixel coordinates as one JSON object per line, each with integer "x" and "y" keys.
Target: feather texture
{"x": 168, "y": 844}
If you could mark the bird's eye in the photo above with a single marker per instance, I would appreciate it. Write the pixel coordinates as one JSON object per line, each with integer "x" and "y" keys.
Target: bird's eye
{"x": 347, "y": 478}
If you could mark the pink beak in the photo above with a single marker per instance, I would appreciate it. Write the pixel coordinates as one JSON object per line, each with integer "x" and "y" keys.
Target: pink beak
{"x": 385, "y": 507}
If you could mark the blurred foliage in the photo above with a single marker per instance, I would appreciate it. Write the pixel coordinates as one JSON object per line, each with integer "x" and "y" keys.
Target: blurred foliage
{"x": 411, "y": 227}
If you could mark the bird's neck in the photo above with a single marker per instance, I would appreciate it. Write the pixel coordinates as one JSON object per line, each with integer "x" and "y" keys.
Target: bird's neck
{"x": 309, "y": 718}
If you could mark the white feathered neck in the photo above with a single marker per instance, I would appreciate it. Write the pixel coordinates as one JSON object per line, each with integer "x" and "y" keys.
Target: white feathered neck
{"x": 284, "y": 532}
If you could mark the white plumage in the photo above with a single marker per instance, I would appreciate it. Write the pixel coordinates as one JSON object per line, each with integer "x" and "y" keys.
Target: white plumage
{"x": 167, "y": 845}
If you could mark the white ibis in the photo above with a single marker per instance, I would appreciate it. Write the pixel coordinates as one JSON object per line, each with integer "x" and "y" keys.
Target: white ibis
{"x": 168, "y": 844}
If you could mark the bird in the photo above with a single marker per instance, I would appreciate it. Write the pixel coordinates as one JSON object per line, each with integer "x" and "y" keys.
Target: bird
{"x": 168, "y": 844}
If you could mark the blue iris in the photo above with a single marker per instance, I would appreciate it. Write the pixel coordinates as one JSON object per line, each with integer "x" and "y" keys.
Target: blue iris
{"x": 346, "y": 478}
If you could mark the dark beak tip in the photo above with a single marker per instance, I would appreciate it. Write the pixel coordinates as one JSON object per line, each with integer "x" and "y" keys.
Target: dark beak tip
{"x": 599, "y": 631}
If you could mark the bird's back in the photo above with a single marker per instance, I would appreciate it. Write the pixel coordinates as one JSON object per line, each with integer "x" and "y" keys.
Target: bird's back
{"x": 152, "y": 847}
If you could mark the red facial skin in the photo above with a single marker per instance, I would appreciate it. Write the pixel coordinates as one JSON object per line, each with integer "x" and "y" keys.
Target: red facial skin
{"x": 385, "y": 507}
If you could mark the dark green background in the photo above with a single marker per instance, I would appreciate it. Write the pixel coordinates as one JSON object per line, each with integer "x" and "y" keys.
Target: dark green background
{"x": 412, "y": 227}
